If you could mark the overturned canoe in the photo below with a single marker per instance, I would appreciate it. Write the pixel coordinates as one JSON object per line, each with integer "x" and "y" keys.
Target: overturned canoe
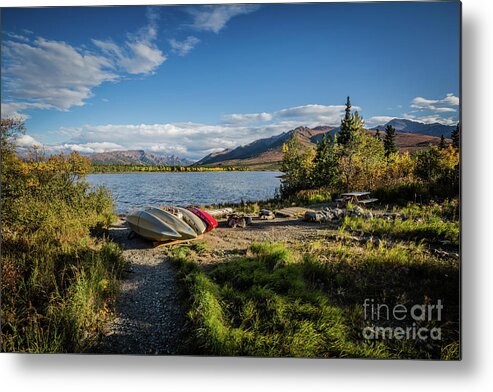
{"x": 149, "y": 226}
{"x": 192, "y": 220}
{"x": 207, "y": 218}
{"x": 221, "y": 212}
{"x": 173, "y": 222}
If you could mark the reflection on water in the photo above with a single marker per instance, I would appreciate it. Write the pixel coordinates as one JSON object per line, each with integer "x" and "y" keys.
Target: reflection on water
{"x": 131, "y": 190}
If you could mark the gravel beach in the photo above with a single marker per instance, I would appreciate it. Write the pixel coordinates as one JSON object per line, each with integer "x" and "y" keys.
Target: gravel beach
{"x": 149, "y": 318}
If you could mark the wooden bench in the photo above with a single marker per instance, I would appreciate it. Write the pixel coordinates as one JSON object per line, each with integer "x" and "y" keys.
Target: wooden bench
{"x": 367, "y": 201}
{"x": 354, "y": 197}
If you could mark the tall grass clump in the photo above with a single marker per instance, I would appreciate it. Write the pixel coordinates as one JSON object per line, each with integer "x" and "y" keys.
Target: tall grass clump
{"x": 277, "y": 304}
{"x": 430, "y": 229}
{"x": 59, "y": 271}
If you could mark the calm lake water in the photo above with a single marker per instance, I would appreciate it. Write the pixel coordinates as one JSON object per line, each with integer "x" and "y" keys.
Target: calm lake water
{"x": 131, "y": 190}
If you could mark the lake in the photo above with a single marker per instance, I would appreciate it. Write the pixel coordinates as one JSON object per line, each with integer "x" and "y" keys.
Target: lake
{"x": 132, "y": 190}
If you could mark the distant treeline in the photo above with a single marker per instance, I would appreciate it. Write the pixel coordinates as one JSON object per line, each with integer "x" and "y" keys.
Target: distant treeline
{"x": 104, "y": 168}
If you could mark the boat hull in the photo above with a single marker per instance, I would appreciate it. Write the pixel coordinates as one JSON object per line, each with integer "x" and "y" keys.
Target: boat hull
{"x": 207, "y": 218}
{"x": 173, "y": 222}
{"x": 192, "y": 220}
{"x": 151, "y": 227}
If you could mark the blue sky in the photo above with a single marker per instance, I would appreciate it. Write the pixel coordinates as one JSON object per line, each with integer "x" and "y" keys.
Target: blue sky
{"x": 195, "y": 79}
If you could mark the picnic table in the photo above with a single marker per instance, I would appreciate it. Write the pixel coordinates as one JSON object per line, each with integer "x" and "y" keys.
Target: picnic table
{"x": 356, "y": 198}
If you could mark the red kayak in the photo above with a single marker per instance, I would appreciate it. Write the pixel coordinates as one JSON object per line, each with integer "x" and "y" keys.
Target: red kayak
{"x": 206, "y": 217}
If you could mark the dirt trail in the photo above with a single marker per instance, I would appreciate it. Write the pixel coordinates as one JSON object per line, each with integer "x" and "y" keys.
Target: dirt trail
{"x": 149, "y": 317}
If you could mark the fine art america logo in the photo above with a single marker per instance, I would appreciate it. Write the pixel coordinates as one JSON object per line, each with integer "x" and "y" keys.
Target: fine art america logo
{"x": 419, "y": 318}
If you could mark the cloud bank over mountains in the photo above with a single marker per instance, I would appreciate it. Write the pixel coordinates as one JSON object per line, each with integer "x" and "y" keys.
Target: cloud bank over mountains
{"x": 194, "y": 140}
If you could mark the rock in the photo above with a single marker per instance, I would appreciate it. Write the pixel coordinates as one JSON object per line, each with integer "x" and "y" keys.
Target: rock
{"x": 236, "y": 221}
{"x": 338, "y": 212}
{"x": 368, "y": 215}
{"x": 328, "y": 215}
{"x": 266, "y": 214}
{"x": 357, "y": 211}
{"x": 312, "y": 216}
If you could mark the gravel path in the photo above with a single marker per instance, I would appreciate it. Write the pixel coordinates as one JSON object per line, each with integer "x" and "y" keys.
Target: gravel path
{"x": 149, "y": 317}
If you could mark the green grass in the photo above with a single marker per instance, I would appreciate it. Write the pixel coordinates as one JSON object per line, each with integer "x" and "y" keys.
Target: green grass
{"x": 422, "y": 224}
{"x": 278, "y": 302}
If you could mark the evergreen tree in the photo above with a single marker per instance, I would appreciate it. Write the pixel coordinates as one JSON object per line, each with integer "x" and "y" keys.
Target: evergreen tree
{"x": 325, "y": 167}
{"x": 345, "y": 132}
{"x": 377, "y": 134}
{"x": 389, "y": 141}
{"x": 456, "y": 136}
{"x": 442, "y": 145}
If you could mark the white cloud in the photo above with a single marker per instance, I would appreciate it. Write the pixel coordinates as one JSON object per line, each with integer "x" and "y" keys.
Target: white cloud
{"x": 184, "y": 47}
{"x": 92, "y": 147}
{"x": 431, "y": 119}
{"x": 139, "y": 54}
{"x": 215, "y": 17}
{"x": 310, "y": 115}
{"x": 444, "y": 110}
{"x": 246, "y": 118}
{"x": 190, "y": 140}
{"x": 451, "y": 99}
{"x": 18, "y": 37}
{"x": 26, "y": 141}
{"x": 195, "y": 140}
{"x": 13, "y": 109}
{"x": 175, "y": 150}
{"x": 51, "y": 74}
{"x": 378, "y": 120}
{"x": 48, "y": 74}
{"x": 436, "y": 105}
{"x": 321, "y": 114}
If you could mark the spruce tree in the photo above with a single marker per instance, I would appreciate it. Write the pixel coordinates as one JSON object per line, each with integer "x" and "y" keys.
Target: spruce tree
{"x": 442, "y": 145}
{"x": 345, "y": 132}
{"x": 377, "y": 134}
{"x": 325, "y": 164}
{"x": 456, "y": 136}
{"x": 389, "y": 141}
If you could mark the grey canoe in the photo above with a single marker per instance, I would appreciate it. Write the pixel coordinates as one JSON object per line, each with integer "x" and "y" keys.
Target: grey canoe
{"x": 151, "y": 227}
{"x": 173, "y": 222}
{"x": 192, "y": 220}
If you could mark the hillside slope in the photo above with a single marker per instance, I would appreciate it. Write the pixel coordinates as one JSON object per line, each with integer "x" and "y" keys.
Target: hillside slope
{"x": 138, "y": 158}
{"x": 267, "y": 153}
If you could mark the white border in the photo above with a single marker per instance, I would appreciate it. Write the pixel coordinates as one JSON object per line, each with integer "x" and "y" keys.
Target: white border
{"x": 91, "y": 373}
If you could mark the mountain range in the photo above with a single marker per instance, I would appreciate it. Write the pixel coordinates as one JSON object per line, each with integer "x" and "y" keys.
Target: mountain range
{"x": 409, "y": 126}
{"x": 266, "y": 153}
{"x": 137, "y": 157}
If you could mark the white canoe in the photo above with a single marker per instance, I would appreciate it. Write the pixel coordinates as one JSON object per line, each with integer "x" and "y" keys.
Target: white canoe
{"x": 173, "y": 222}
{"x": 192, "y": 220}
{"x": 219, "y": 213}
{"x": 149, "y": 226}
